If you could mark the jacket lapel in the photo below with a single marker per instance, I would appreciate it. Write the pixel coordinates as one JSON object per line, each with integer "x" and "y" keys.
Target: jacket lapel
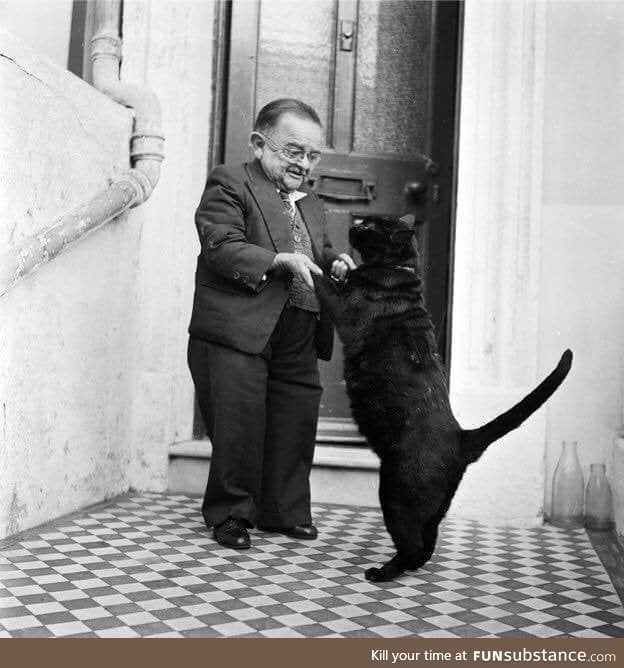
{"x": 271, "y": 207}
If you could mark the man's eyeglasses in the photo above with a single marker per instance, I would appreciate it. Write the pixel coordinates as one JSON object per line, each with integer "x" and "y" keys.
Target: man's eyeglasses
{"x": 292, "y": 153}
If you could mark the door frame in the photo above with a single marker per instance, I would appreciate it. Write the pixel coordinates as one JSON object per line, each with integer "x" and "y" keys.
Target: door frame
{"x": 444, "y": 148}
{"x": 236, "y": 59}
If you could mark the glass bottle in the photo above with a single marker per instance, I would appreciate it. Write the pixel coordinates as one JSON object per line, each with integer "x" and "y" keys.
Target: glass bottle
{"x": 566, "y": 510}
{"x": 598, "y": 500}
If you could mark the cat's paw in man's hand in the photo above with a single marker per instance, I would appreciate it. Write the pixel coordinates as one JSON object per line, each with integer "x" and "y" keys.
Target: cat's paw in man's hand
{"x": 342, "y": 266}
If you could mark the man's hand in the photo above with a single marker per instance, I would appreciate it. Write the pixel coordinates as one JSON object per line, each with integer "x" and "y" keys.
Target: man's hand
{"x": 341, "y": 267}
{"x": 297, "y": 264}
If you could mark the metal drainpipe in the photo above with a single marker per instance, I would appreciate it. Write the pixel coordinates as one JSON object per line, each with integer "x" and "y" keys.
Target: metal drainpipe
{"x": 146, "y": 146}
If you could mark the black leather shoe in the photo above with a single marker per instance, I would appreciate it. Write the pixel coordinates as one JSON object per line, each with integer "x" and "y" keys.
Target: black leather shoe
{"x": 302, "y": 531}
{"x": 232, "y": 533}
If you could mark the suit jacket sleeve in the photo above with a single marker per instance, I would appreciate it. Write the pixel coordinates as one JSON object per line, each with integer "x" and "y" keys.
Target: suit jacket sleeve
{"x": 220, "y": 222}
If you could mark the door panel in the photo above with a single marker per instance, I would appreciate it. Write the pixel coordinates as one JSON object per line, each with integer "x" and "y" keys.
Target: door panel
{"x": 392, "y": 78}
{"x": 371, "y": 70}
{"x": 296, "y": 53}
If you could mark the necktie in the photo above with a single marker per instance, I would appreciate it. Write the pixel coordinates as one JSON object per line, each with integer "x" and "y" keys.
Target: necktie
{"x": 289, "y": 206}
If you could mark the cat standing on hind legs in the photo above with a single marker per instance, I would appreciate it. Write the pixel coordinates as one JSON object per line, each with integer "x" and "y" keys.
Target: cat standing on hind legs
{"x": 398, "y": 390}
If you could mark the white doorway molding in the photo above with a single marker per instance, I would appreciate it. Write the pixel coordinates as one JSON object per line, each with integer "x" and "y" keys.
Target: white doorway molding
{"x": 497, "y": 253}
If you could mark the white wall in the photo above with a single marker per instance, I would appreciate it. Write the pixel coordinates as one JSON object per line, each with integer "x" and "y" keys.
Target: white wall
{"x": 497, "y": 248}
{"x": 582, "y": 273}
{"x": 169, "y": 45}
{"x": 44, "y": 25}
{"x": 66, "y": 343}
{"x": 539, "y": 241}
{"x": 94, "y": 385}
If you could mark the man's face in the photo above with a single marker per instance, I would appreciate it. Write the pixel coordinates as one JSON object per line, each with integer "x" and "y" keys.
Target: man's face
{"x": 291, "y": 133}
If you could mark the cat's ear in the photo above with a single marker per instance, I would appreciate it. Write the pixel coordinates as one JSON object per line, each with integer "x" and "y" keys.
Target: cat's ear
{"x": 401, "y": 236}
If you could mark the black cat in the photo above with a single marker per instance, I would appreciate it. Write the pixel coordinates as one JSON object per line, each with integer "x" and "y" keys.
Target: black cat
{"x": 398, "y": 389}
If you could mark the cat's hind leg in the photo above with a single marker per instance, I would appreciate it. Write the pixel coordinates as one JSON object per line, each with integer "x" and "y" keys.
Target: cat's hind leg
{"x": 430, "y": 534}
{"x": 387, "y": 572}
{"x": 406, "y": 530}
{"x": 430, "y": 538}
{"x": 411, "y": 522}
{"x": 410, "y": 558}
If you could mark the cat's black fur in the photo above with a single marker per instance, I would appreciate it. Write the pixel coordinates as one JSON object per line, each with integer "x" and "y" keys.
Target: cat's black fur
{"x": 398, "y": 389}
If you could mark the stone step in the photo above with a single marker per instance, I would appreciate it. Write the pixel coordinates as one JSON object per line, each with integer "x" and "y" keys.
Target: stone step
{"x": 340, "y": 473}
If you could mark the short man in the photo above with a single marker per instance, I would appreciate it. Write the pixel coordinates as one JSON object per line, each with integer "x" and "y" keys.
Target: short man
{"x": 256, "y": 330}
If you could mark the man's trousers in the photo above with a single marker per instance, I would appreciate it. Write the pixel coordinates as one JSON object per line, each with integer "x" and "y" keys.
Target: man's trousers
{"x": 260, "y": 413}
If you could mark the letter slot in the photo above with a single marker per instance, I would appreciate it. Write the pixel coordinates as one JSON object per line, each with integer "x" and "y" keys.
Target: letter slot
{"x": 344, "y": 188}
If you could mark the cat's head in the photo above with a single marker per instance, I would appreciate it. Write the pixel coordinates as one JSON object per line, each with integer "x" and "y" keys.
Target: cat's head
{"x": 385, "y": 241}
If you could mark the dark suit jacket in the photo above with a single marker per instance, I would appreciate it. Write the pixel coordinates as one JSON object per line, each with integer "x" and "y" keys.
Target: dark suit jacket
{"x": 242, "y": 224}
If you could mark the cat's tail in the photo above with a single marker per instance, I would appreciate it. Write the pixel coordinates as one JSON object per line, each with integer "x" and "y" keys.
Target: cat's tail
{"x": 475, "y": 441}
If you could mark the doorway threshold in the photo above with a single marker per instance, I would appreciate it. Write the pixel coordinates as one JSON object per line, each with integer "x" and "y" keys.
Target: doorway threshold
{"x": 332, "y": 456}
{"x": 338, "y": 431}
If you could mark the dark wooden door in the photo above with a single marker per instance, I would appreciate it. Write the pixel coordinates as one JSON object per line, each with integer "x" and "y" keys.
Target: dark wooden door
{"x": 382, "y": 76}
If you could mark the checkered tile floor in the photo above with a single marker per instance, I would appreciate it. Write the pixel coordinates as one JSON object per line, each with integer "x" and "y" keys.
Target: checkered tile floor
{"x": 146, "y": 566}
